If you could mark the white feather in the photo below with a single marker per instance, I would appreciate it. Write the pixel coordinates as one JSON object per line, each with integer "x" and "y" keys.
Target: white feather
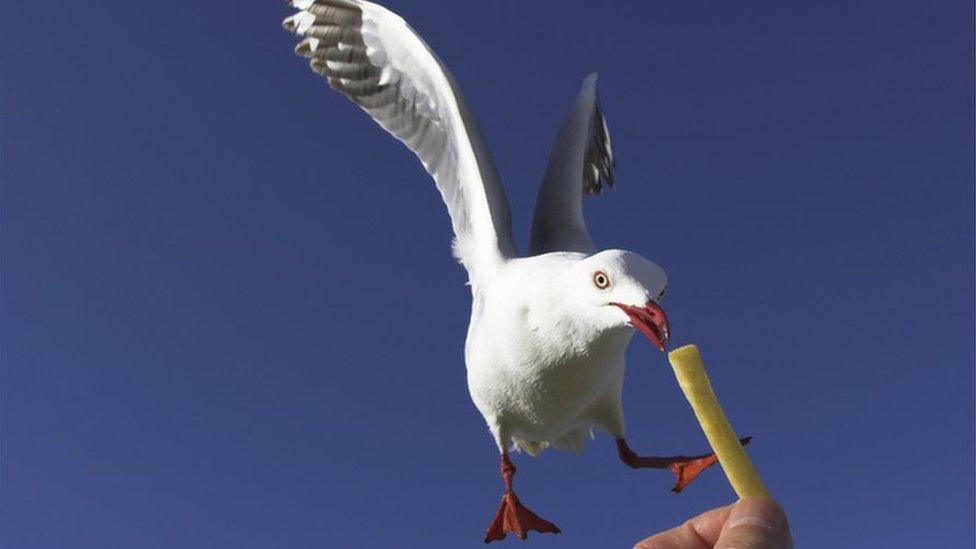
{"x": 406, "y": 89}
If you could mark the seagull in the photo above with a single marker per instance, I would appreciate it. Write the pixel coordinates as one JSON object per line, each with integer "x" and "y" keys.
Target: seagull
{"x": 548, "y": 330}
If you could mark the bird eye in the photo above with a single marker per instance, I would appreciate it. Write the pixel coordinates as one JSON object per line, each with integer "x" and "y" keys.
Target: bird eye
{"x": 660, "y": 296}
{"x": 601, "y": 280}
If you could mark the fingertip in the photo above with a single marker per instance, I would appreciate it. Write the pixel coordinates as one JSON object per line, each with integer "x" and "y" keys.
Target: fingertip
{"x": 755, "y": 524}
{"x": 709, "y": 524}
{"x": 759, "y": 512}
{"x": 699, "y": 532}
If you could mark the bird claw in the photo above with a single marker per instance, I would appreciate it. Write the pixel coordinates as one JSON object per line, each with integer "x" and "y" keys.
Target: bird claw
{"x": 516, "y": 518}
{"x": 686, "y": 471}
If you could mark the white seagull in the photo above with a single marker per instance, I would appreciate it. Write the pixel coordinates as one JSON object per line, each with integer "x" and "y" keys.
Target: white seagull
{"x": 548, "y": 331}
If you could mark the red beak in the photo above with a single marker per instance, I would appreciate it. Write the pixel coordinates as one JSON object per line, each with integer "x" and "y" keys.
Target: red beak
{"x": 649, "y": 320}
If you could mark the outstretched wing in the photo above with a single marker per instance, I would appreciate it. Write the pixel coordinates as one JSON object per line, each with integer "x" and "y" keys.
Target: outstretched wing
{"x": 580, "y": 162}
{"x": 372, "y": 56}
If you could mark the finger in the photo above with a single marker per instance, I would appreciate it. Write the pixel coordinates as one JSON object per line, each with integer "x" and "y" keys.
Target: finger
{"x": 755, "y": 524}
{"x": 700, "y": 532}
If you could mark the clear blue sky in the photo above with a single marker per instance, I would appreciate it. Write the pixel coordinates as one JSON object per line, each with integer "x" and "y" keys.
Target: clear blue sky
{"x": 231, "y": 318}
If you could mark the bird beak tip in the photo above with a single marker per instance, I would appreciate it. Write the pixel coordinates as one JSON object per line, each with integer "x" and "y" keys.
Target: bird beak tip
{"x": 651, "y": 321}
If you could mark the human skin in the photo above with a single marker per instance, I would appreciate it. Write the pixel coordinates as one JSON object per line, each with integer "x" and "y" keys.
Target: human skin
{"x": 747, "y": 524}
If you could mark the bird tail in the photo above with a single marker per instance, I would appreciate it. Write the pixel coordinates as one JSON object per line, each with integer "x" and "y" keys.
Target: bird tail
{"x": 574, "y": 440}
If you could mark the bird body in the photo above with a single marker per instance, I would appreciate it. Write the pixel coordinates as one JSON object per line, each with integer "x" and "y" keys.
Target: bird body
{"x": 548, "y": 331}
{"x": 545, "y": 350}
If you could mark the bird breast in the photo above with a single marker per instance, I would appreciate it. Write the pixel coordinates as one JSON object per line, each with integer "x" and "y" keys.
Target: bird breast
{"x": 541, "y": 376}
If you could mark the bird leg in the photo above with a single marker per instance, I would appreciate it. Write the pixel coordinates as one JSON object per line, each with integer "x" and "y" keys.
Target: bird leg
{"x": 512, "y": 516}
{"x": 685, "y": 468}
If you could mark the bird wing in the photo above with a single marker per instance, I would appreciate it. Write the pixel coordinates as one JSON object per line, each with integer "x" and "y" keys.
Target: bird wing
{"x": 374, "y": 58}
{"x": 580, "y": 162}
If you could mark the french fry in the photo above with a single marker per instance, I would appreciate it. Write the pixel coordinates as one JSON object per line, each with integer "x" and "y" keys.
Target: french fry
{"x": 690, "y": 371}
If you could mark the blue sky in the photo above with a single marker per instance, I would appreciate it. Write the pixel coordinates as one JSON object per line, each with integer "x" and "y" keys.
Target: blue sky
{"x": 231, "y": 317}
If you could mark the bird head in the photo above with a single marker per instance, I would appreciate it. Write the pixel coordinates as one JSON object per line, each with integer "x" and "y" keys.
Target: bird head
{"x": 625, "y": 290}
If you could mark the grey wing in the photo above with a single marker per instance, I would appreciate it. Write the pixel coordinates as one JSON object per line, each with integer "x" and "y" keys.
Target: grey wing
{"x": 580, "y": 163}
{"x": 374, "y": 58}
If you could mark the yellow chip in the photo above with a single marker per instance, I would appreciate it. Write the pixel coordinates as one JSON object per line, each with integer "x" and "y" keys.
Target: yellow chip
{"x": 690, "y": 371}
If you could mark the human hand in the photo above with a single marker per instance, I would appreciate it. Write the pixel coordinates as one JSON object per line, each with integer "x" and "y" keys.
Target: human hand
{"x": 748, "y": 524}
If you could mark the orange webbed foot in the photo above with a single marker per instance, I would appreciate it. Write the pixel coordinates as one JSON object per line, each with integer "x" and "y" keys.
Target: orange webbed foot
{"x": 516, "y": 518}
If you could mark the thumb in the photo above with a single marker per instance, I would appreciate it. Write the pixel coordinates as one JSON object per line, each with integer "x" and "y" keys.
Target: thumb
{"x": 755, "y": 524}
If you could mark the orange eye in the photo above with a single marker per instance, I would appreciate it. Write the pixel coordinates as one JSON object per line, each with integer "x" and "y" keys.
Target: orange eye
{"x": 601, "y": 280}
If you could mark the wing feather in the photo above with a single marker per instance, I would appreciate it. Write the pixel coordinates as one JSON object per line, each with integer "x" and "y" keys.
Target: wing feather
{"x": 372, "y": 56}
{"x": 581, "y": 161}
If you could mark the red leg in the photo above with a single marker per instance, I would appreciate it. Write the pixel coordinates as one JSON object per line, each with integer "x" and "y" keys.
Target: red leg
{"x": 512, "y": 516}
{"x": 685, "y": 468}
